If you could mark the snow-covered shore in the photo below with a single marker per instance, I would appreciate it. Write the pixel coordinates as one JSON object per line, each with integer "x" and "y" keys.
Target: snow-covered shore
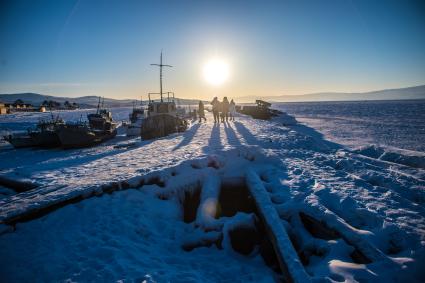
{"x": 372, "y": 202}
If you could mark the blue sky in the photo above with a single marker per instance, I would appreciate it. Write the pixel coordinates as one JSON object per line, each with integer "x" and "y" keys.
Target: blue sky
{"x": 88, "y": 47}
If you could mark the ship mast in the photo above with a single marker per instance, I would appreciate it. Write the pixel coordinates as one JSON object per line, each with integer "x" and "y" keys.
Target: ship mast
{"x": 160, "y": 65}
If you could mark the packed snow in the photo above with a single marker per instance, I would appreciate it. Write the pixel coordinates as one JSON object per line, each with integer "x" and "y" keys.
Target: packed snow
{"x": 120, "y": 211}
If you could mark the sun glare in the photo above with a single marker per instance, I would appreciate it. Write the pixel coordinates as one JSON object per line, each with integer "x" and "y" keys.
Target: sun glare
{"x": 216, "y": 71}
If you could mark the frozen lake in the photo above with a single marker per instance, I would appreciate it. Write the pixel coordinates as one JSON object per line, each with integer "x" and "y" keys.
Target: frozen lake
{"x": 399, "y": 124}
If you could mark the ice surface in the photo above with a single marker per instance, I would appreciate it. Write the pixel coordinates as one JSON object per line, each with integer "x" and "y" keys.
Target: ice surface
{"x": 398, "y": 124}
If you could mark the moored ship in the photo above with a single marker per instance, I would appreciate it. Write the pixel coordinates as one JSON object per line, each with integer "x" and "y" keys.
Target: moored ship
{"x": 162, "y": 117}
{"x": 45, "y": 135}
{"x": 100, "y": 128}
{"x": 136, "y": 118}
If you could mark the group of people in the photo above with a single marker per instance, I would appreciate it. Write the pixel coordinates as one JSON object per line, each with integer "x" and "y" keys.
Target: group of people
{"x": 222, "y": 111}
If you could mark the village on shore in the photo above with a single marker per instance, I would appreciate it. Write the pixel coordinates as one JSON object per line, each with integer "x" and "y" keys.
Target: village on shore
{"x": 21, "y": 106}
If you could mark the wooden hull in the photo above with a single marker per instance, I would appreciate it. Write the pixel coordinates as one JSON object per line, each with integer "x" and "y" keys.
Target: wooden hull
{"x": 259, "y": 112}
{"x": 78, "y": 137}
{"x": 47, "y": 139}
{"x": 162, "y": 125}
{"x": 21, "y": 141}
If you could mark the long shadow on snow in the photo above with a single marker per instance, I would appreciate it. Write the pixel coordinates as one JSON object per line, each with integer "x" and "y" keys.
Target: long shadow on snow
{"x": 232, "y": 139}
{"x": 246, "y": 134}
{"x": 214, "y": 142}
{"x": 187, "y": 136}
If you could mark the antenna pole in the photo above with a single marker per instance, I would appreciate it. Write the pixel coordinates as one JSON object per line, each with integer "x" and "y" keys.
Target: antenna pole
{"x": 160, "y": 65}
{"x": 98, "y": 105}
{"x": 160, "y": 76}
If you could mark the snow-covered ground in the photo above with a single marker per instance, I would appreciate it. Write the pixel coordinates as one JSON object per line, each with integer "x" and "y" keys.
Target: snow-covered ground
{"x": 351, "y": 215}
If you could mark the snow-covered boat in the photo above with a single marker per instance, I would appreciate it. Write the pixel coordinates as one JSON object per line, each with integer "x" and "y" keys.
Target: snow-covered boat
{"x": 20, "y": 140}
{"x": 162, "y": 120}
{"x": 162, "y": 117}
{"x": 101, "y": 127}
{"x": 136, "y": 118}
{"x": 45, "y": 135}
{"x": 260, "y": 111}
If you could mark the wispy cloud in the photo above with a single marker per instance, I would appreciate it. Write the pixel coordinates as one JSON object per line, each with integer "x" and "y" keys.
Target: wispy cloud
{"x": 61, "y": 84}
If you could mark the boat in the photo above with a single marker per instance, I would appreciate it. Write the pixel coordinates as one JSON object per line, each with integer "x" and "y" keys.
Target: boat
{"x": 45, "y": 135}
{"x": 20, "y": 140}
{"x": 162, "y": 118}
{"x": 100, "y": 128}
{"x": 260, "y": 111}
{"x": 136, "y": 118}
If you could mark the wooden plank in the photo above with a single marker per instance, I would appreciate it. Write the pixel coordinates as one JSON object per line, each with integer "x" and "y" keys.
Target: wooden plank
{"x": 282, "y": 245}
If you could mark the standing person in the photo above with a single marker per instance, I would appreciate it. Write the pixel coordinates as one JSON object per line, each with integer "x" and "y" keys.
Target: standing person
{"x": 225, "y": 109}
{"x": 232, "y": 110}
{"x": 215, "y": 109}
{"x": 201, "y": 111}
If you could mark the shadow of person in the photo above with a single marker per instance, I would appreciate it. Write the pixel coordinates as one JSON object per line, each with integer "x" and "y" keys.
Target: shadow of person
{"x": 215, "y": 141}
{"x": 187, "y": 136}
{"x": 245, "y": 133}
{"x": 232, "y": 139}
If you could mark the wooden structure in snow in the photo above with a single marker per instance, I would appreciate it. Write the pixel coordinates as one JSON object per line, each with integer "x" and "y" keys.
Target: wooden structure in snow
{"x": 260, "y": 111}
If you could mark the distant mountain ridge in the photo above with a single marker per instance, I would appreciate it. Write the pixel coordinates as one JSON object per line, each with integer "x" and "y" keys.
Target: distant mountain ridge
{"x": 415, "y": 92}
{"x": 84, "y": 101}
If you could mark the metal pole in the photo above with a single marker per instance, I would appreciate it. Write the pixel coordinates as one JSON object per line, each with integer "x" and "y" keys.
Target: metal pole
{"x": 160, "y": 65}
{"x": 160, "y": 76}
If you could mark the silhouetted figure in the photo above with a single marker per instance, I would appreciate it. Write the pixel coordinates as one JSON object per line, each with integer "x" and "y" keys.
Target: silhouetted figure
{"x": 201, "y": 112}
{"x": 232, "y": 110}
{"x": 215, "y": 109}
{"x": 225, "y": 109}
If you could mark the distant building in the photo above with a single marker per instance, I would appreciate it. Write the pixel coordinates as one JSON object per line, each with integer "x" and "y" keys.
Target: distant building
{"x": 3, "y": 109}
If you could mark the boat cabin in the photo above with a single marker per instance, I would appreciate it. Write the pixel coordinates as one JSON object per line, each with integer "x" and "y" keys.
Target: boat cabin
{"x": 165, "y": 107}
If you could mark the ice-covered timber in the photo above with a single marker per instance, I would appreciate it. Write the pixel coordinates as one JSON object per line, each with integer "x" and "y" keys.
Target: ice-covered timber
{"x": 286, "y": 254}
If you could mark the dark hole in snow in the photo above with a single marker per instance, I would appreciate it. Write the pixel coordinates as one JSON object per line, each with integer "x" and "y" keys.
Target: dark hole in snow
{"x": 244, "y": 239}
{"x": 359, "y": 257}
{"x": 213, "y": 164}
{"x": 318, "y": 229}
{"x": 234, "y": 198}
{"x": 163, "y": 197}
{"x": 195, "y": 166}
{"x": 304, "y": 255}
{"x": 394, "y": 247}
{"x": 264, "y": 178}
{"x": 156, "y": 180}
{"x": 190, "y": 204}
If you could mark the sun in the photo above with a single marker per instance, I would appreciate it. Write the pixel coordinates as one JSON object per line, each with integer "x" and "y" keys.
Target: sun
{"x": 216, "y": 71}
